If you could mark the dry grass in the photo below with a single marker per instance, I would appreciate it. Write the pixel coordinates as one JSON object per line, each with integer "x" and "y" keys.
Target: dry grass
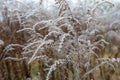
{"x": 66, "y": 42}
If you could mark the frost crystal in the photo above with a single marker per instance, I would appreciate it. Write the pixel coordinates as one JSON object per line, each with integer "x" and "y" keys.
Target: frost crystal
{"x": 1, "y": 42}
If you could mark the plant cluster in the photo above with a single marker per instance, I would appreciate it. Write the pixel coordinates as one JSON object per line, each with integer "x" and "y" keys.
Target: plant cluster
{"x": 68, "y": 41}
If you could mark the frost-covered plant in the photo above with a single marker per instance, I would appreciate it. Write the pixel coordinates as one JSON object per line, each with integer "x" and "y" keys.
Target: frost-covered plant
{"x": 72, "y": 38}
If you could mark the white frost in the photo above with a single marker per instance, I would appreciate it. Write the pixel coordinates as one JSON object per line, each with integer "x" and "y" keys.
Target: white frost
{"x": 1, "y": 42}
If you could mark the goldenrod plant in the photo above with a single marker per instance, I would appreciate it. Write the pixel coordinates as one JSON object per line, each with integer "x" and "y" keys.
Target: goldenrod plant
{"x": 59, "y": 40}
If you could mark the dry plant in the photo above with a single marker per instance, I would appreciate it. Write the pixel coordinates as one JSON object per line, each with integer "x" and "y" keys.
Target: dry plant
{"x": 70, "y": 43}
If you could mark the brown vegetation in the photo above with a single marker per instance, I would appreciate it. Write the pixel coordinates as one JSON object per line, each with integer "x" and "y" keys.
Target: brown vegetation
{"x": 67, "y": 45}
